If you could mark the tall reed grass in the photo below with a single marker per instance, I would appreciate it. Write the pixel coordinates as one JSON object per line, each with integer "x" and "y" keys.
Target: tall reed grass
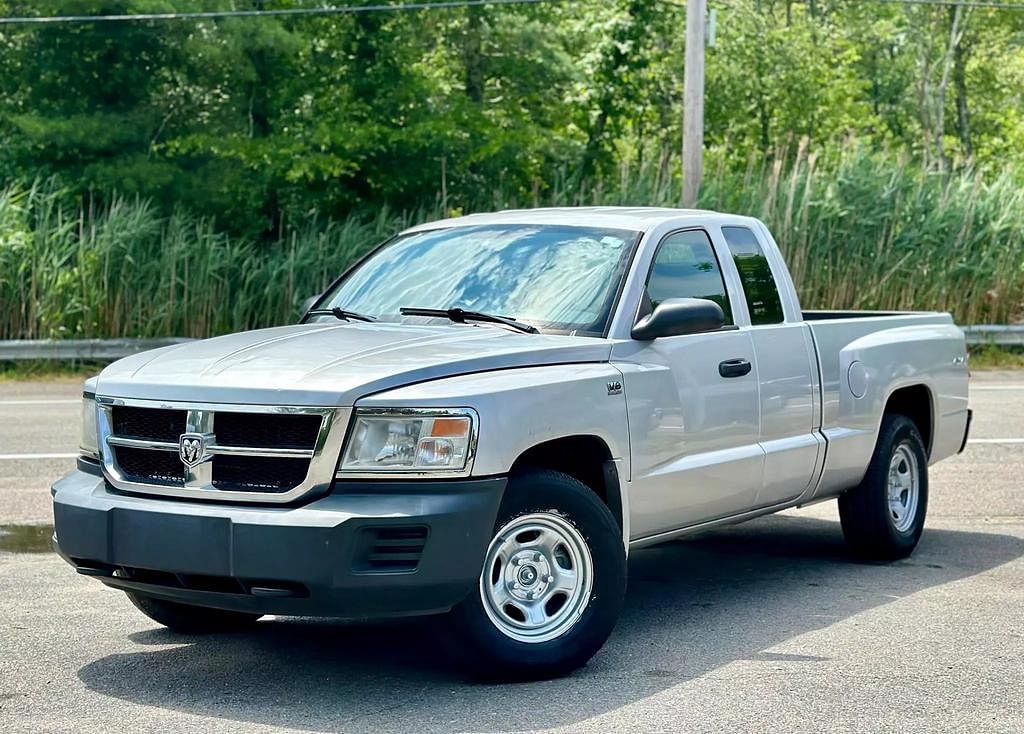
{"x": 865, "y": 231}
{"x": 122, "y": 270}
{"x": 876, "y": 232}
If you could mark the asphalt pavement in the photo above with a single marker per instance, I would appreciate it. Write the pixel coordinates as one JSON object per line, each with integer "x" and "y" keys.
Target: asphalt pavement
{"x": 767, "y": 626}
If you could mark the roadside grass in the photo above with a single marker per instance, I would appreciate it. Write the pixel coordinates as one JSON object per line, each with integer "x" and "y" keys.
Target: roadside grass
{"x": 122, "y": 270}
{"x": 861, "y": 229}
{"x": 995, "y": 357}
{"x": 875, "y": 232}
{"x": 49, "y": 370}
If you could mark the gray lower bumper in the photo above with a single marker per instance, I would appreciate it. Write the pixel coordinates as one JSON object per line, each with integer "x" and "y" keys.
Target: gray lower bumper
{"x": 379, "y": 549}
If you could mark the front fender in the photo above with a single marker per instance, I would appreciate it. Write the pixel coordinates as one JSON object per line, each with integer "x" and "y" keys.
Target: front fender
{"x": 520, "y": 408}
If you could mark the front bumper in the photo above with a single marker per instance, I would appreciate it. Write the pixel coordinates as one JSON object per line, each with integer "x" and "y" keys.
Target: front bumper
{"x": 377, "y": 550}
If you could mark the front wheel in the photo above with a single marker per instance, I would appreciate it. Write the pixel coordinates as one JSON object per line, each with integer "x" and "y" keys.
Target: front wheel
{"x": 552, "y": 583}
{"x": 883, "y": 517}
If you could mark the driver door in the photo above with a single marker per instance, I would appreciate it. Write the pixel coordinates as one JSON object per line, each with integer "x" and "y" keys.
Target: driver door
{"x": 693, "y": 427}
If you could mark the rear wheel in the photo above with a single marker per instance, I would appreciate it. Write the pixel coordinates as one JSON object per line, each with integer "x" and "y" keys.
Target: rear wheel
{"x": 883, "y": 517}
{"x": 552, "y": 583}
{"x": 190, "y": 619}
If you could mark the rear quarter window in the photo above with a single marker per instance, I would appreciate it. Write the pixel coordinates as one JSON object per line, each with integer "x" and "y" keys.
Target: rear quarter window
{"x": 759, "y": 287}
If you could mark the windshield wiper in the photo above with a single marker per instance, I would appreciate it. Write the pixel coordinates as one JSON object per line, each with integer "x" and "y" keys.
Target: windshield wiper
{"x": 460, "y": 317}
{"x": 340, "y": 313}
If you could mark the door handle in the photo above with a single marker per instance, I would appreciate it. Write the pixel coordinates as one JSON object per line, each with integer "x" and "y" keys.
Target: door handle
{"x": 734, "y": 368}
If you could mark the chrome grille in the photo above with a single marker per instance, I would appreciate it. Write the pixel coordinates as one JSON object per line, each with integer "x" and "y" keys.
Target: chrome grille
{"x": 251, "y": 453}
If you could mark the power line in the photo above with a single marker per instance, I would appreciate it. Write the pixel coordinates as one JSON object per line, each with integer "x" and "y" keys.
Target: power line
{"x": 399, "y": 7}
{"x": 203, "y": 15}
{"x": 989, "y": 4}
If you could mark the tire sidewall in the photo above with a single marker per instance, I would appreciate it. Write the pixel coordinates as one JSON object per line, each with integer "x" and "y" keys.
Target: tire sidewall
{"x": 903, "y": 431}
{"x": 558, "y": 494}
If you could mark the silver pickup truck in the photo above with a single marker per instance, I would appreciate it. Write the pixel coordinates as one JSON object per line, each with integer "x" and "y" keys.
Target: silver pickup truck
{"x": 482, "y": 417}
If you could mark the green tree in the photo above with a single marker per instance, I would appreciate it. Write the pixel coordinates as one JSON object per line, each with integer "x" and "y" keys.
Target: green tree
{"x": 84, "y": 101}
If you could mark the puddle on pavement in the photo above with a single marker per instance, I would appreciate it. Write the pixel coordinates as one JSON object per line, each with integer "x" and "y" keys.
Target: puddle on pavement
{"x": 26, "y": 538}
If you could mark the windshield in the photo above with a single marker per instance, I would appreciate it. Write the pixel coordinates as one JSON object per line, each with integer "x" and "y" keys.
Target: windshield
{"x": 558, "y": 278}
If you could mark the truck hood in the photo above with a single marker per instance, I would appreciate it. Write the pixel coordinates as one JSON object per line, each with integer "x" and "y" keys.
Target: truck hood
{"x": 332, "y": 364}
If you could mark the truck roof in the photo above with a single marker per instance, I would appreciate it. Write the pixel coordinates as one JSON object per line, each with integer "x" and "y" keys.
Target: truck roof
{"x": 634, "y": 218}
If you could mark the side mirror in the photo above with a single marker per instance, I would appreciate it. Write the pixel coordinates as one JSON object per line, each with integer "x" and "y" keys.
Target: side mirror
{"x": 677, "y": 316}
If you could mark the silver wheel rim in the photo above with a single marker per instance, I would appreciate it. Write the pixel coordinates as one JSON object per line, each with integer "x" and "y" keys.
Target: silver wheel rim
{"x": 537, "y": 577}
{"x": 904, "y": 487}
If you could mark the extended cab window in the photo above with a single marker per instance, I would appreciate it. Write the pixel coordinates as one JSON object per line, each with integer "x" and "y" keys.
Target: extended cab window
{"x": 762, "y": 295}
{"x": 685, "y": 266}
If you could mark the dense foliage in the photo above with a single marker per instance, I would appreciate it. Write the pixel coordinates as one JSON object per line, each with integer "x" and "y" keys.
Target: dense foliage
{"x": 232, "y": 166}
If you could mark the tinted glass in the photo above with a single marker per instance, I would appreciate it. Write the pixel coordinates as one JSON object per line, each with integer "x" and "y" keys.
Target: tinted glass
{"x": 758, "y": 283}
{"x": 686, "y": 267}
{"x": 557, "y": 278}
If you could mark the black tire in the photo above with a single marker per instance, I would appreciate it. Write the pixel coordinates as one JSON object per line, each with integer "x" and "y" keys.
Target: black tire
{"x": 869, "y": 526}
{"x": 190, "y": 619}
{"x": 480, "y": 646}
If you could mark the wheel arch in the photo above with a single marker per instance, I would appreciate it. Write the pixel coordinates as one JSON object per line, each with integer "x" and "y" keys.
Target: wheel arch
{"x": 916, "y": 402}
{"x": 587, "y": 458}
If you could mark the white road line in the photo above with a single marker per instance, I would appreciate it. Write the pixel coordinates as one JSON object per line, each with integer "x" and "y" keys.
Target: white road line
{"x": 41, "y": 402}
{"x": 995, "y": 440}
{"x": 997, "y": 387}
{"x": 23, "y": 457}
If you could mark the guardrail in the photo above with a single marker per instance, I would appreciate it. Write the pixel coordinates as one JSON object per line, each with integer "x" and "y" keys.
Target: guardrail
{"x": 79, "y": 349}
{"x": 1007, "y": 336}
{"x": 101, "y": 349}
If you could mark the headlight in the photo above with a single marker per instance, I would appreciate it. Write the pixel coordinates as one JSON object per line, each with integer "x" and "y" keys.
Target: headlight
{"x": 410, "y": 441}
{"x": 89, "y": 443}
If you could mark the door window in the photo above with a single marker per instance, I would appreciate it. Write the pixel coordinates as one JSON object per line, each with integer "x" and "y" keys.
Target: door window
{"x": 759, "y": 287}
{"x": 685, "y": 266}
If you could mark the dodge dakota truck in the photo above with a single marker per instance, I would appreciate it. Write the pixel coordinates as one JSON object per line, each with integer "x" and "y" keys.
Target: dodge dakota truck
{"x": 481, "y": 418}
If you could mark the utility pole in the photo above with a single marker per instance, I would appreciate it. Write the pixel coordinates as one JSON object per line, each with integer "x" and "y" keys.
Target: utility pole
{"x": 693, "y": 102}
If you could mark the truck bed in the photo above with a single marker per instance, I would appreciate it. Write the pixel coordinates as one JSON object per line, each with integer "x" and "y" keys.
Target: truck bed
{"x": 875, "y": 353}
